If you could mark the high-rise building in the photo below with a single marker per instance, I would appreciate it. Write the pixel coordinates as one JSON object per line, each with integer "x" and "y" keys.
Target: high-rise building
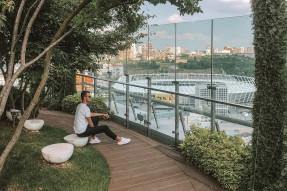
{"x": 249, "y": 50}
{"x": 123, "y": 54}
{"x": 208, "y": 50}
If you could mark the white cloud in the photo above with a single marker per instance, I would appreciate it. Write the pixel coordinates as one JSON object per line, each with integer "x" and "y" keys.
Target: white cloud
{"x": 237, "y": 1}
{"x": 238, "y": 5}
{"x": 162, "y": 34}
{"x": 175, "y": 18}
{"x": 196, "y": 36}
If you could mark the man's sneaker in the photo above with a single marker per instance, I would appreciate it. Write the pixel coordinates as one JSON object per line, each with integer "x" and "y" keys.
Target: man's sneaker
{"x": 124, "y": 141}
{"x": 95, "y": 140}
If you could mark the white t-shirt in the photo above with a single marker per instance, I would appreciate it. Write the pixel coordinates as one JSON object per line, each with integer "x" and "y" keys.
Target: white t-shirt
{"x": 81, "y": 123}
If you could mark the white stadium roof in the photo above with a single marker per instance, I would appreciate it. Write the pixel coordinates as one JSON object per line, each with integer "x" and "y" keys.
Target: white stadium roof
{"x": 235, "y": 84}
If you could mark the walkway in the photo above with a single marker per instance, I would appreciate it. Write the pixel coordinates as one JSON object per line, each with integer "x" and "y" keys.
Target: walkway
{"x": 142, "y": 165}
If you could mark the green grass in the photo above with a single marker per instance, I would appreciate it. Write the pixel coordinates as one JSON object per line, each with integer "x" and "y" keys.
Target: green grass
{"x": 25, "y": 169}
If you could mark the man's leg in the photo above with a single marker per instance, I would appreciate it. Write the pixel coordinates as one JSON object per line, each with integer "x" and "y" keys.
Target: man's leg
{"x": 95, "y": 120}
{"x": 104, "y": 129}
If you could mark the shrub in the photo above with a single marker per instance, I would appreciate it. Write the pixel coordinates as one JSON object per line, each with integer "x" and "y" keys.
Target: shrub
{"x": 51, "y": 104}
{"x": 70, "y": 103}
{"x": 224, "y": 157}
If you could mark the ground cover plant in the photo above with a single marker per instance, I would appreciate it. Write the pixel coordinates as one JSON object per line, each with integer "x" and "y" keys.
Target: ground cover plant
{"x": 25, "y": 168}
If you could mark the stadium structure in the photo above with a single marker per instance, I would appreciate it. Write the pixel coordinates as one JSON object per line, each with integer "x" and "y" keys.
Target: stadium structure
{"x": 229, "y": 88}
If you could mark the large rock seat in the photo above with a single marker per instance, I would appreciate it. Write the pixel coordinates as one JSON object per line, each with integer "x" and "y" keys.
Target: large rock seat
{"x": 58, "y": 153}
{"x": 76, "y": 140}
{"x": 34, "y": 124}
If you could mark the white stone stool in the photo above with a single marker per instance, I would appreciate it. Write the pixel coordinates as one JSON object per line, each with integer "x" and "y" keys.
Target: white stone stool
{"x": 58, "y": 153}
{"x": 34, "y": 124}
{"x": 76, "y": 140}
{"x": 9, "y": 115}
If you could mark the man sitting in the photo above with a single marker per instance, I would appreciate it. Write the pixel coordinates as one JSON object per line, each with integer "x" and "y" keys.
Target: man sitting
{"x": 86, "y": 123}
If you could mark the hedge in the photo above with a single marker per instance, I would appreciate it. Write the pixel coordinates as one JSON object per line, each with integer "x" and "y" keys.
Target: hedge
{"x": 224, "y": 157}
{"x": 70, "y": 103}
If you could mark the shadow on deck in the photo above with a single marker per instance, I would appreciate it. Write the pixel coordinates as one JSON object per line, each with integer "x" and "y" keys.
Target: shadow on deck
{"x": 144, "y": 164}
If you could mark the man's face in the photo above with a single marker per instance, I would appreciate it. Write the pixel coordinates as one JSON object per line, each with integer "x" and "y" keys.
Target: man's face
{"x": 88, "y": 97}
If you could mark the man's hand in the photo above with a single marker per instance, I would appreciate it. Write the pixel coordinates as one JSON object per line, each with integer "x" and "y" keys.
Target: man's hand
{"x": 106, "y": 116}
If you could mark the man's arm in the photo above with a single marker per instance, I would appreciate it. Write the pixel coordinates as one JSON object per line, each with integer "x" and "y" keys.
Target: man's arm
{"x": 106, "y": 116}
{"x": 90, "y": 122}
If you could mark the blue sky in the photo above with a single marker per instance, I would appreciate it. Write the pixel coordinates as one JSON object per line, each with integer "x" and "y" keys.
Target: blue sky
{"x": 232, "y": 25}
{"x": 212, "y": 9}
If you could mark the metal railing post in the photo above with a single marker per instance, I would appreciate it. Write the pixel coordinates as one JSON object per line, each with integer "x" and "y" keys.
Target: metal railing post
{"x": 155, "y": 116}
{"x": 148, "y": 106}
{"x": 83, "y": 81}
{"x": 176, "y": 131}
{"x": 212, "y": 87}
{"x": 133, "y": 109}
{"x": 127, "y": 100}
{"x": 95, "y": 83}
{"x": 110, "y": 92}
{"x": 182, "y": 122}
{"x": 212, "y": 123}
{"x": 115, "y": 102}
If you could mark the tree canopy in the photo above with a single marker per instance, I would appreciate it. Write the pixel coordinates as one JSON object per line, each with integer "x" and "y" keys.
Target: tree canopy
{"x": 75, "y": 14}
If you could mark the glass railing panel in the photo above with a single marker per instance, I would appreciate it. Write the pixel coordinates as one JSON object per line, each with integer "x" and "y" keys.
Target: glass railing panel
{"x": 193, "y": 40}
{"x": 118, "y": 103}
{"x": 194, "y": 60}
{"x": 160, "y": 55}
{"x": 234, "y": 60}
{"x": 239, "y": 122}
{"x": 137, "y": 105}
{"x": 163, "y": 118}
{"x": 138, "y": 109}
{"x": 132, "y": 57}
{"x": 138, "y": 100}
{"x": 102, "y": 90}
{"x": 193, "y": 116}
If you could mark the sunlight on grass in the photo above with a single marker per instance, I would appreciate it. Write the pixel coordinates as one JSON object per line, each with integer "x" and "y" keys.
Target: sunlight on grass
{"x": 25, "y": 169}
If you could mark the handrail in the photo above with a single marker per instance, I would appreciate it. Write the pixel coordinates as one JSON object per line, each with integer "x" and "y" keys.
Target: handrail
{"x": 184, "y": 108}
{"x": 170, "y": 92}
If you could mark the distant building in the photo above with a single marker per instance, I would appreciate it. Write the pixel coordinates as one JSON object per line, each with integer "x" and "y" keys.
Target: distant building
{"x": 181, "y": 61}
{"x": 123, "y": 54}
{"x": 208, "y": 50}
{"x": 249, "y": 50}
{"x": 117, "y": 69}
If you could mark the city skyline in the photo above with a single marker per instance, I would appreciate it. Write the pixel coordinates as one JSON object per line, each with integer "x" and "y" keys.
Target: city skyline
{"x": 142, "y": 52}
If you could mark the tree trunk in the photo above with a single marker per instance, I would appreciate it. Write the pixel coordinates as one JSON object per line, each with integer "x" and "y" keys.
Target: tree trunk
{"x": 11, "y": 100}
{"x": 4, "y": 96}
{"x": 22, "y": 101}
{"x": 25, "y": 116}
{"x": 57, "y": 38}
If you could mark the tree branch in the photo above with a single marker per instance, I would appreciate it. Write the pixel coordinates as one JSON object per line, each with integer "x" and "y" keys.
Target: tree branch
{"x": 28, "y": 30}
{"x": 25, "y": 21}
{"x": 14, "y": 37}
{"x": 48, "y": 48}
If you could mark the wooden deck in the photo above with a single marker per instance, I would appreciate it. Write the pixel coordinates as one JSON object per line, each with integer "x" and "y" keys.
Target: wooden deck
{"x": 143, "y": 164}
